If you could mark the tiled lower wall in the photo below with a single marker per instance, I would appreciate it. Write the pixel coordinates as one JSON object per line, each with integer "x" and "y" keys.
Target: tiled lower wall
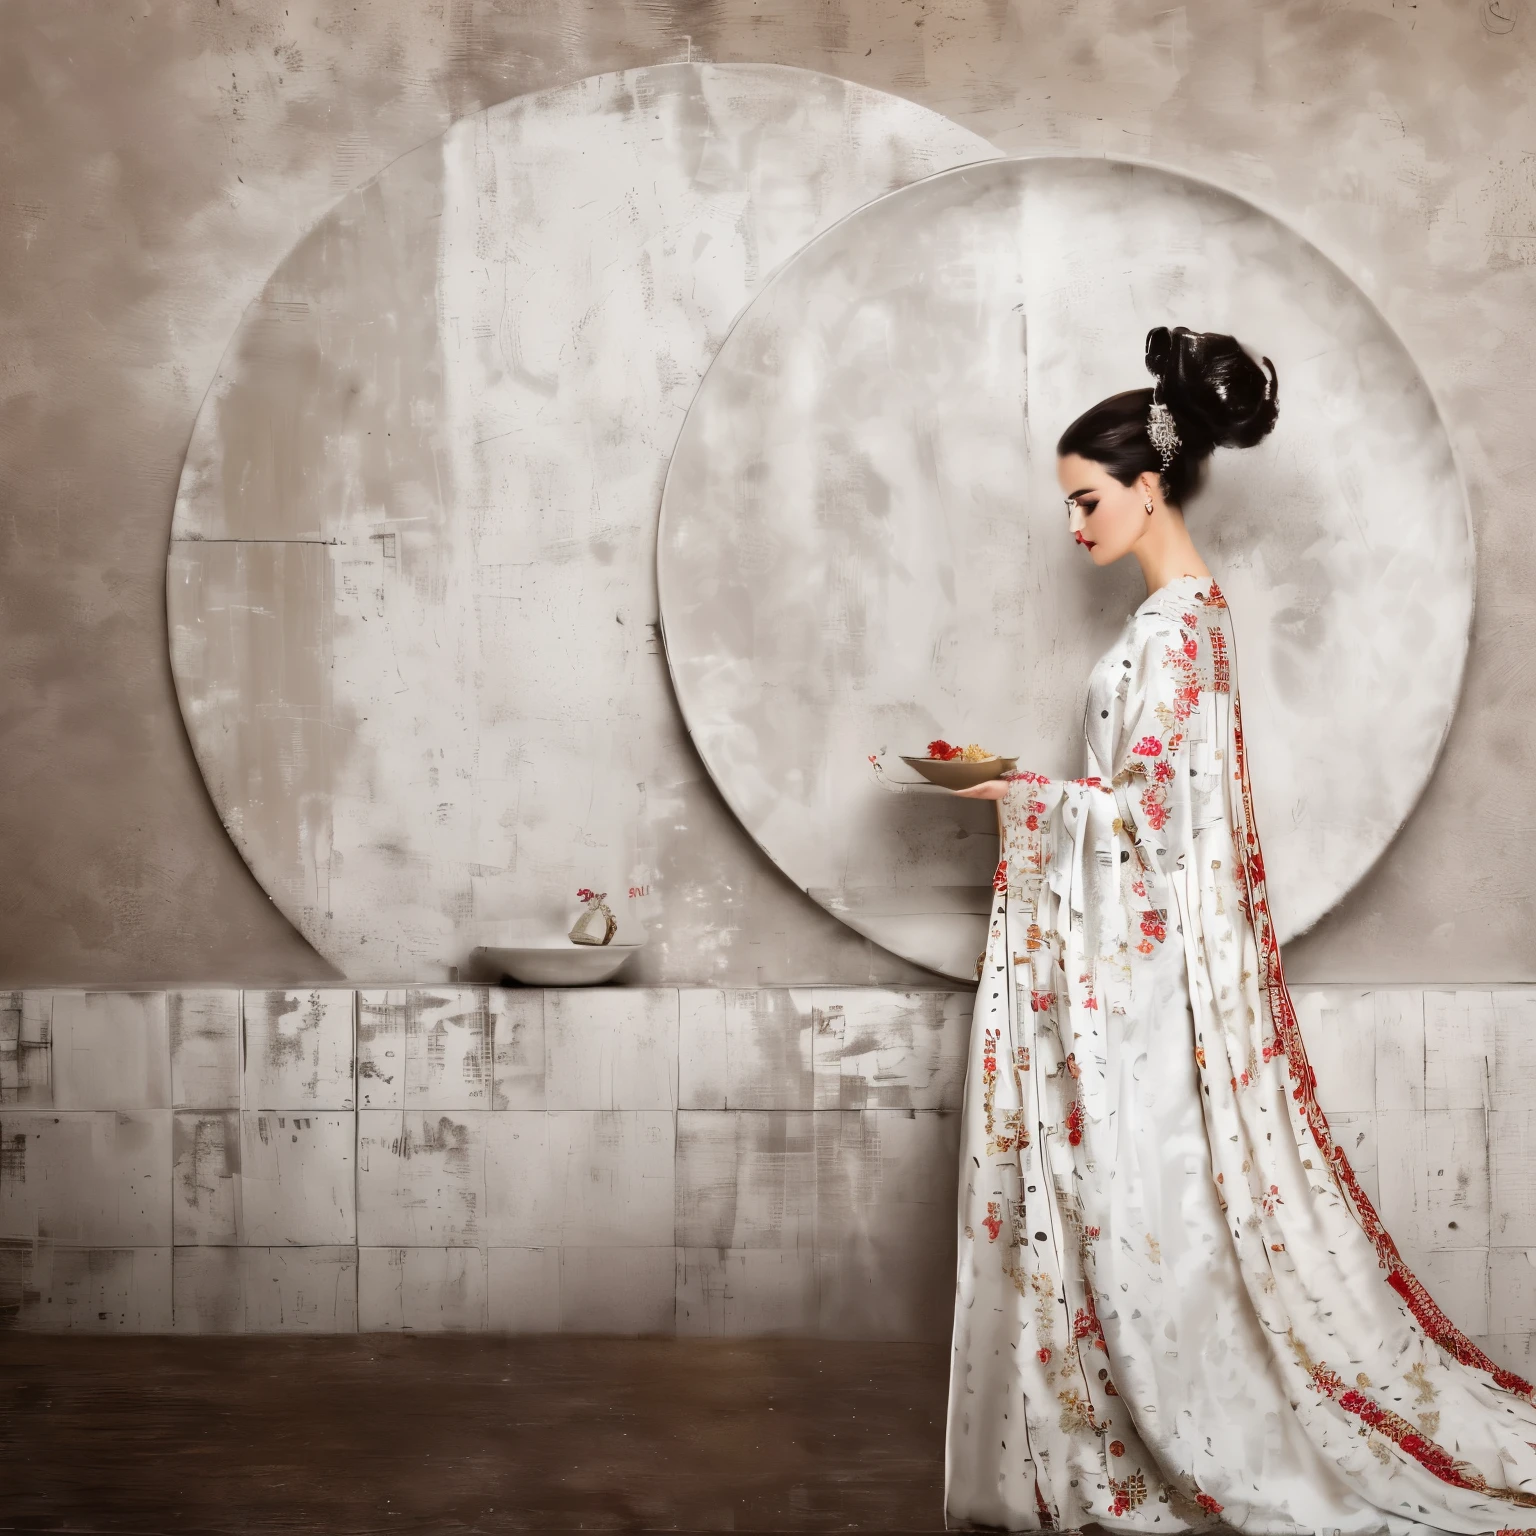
{"x": 632, "y": 1160}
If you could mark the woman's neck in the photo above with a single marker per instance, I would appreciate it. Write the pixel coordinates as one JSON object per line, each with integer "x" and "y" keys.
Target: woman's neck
{"x": 1166, "y": 550}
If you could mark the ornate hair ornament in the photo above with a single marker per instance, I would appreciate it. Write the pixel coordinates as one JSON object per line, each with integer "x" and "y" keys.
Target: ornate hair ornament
{"x": 1160, "y": 428}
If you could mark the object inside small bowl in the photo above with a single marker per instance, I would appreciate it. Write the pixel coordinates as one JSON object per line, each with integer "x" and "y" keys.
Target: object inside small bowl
{"x": 973, "y": 752}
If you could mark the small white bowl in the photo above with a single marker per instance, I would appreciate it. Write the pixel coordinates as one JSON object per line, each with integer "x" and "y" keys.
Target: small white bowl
{"x": 557, "y": 963}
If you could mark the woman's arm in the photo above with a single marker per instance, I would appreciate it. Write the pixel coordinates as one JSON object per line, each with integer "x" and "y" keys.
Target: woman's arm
{"x": 1151, "y": 753}
{"x": 993, "y": 789}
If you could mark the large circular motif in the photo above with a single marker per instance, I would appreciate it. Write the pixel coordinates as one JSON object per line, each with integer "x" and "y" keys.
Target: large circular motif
{"x": 411, "y": 582}
{"x": 863, "y": 544}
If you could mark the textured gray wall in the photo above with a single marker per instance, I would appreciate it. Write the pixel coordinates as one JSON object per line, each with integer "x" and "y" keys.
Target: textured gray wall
{"x": 698, "y": 1160}
{"x": 156, "y": 163}
{"x": 414, "y": 626}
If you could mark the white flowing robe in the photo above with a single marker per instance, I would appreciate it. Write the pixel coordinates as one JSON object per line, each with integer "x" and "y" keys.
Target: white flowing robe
{"x": 1175, "y": 1306}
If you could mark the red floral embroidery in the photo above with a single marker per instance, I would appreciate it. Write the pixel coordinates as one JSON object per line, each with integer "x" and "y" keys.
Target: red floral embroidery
{"x": 1000, "y": 876}
{"x": 1405, "y": 1436}
{"x": 1042, "y": 1002}
{"x": 1186, "y": 697}
{"x": 1086, "y": 1324}
{"x": 1130, "y": 1493}
{"x": 1117, "y": 1447}
{"x": 1288, "y": 1043}
{"x": 1207, "y": 1503}
{"x": 993, "y": 1220}
{"x": 1221, "y": 672}
{"x": 1075, "y": 1122}
{"x": 1153, "y": 925}
{"x": 1042, "y": 1354}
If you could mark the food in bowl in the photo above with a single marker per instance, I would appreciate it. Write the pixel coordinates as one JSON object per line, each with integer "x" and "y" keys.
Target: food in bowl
{"x": 952, "y": 767}
{"x": 944, "y": 752}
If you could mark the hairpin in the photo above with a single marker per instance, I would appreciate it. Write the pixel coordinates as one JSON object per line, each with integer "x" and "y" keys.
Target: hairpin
{"x": 1160, "y": 428}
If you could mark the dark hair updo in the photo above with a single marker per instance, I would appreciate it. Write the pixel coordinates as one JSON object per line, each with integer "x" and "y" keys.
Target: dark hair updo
{"x": 1218, "y": 396}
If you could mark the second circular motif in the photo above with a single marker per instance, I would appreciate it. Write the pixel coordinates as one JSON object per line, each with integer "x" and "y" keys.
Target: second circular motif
{"x": 863, "y": 545}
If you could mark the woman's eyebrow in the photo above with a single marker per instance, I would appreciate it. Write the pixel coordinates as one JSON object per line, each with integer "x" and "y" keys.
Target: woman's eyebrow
{"x": 1087, "y": 490}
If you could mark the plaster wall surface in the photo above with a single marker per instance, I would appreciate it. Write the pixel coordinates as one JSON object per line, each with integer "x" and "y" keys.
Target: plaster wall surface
{"x": 158, "y": 160}
{"x": 724, "y": 1161}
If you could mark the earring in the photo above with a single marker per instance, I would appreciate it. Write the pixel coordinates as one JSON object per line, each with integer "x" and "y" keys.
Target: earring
{"x": 1149, "y": 509}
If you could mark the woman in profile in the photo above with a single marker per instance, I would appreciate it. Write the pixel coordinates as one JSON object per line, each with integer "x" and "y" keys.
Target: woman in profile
{"x": 1176, "y": 1307}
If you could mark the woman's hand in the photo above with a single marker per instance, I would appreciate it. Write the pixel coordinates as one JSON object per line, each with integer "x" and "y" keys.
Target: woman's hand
{"x": 992, "y": 789}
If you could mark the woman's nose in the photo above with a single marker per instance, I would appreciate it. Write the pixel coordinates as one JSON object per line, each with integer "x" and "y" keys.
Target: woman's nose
{"x": 1076, "y": 522}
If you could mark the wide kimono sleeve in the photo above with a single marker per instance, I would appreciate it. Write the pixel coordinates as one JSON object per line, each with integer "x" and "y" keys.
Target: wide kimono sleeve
{"x": 1138, "y": 739}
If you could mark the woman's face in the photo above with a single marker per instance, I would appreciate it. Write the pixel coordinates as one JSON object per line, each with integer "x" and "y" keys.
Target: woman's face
{"x": 1103, "y": 515}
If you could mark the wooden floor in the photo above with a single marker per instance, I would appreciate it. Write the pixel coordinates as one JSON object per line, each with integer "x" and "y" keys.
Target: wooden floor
{"x": 465, "y": 1433}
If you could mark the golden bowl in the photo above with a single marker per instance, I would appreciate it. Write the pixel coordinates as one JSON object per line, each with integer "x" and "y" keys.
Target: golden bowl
{"x": 956, "y": 773}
